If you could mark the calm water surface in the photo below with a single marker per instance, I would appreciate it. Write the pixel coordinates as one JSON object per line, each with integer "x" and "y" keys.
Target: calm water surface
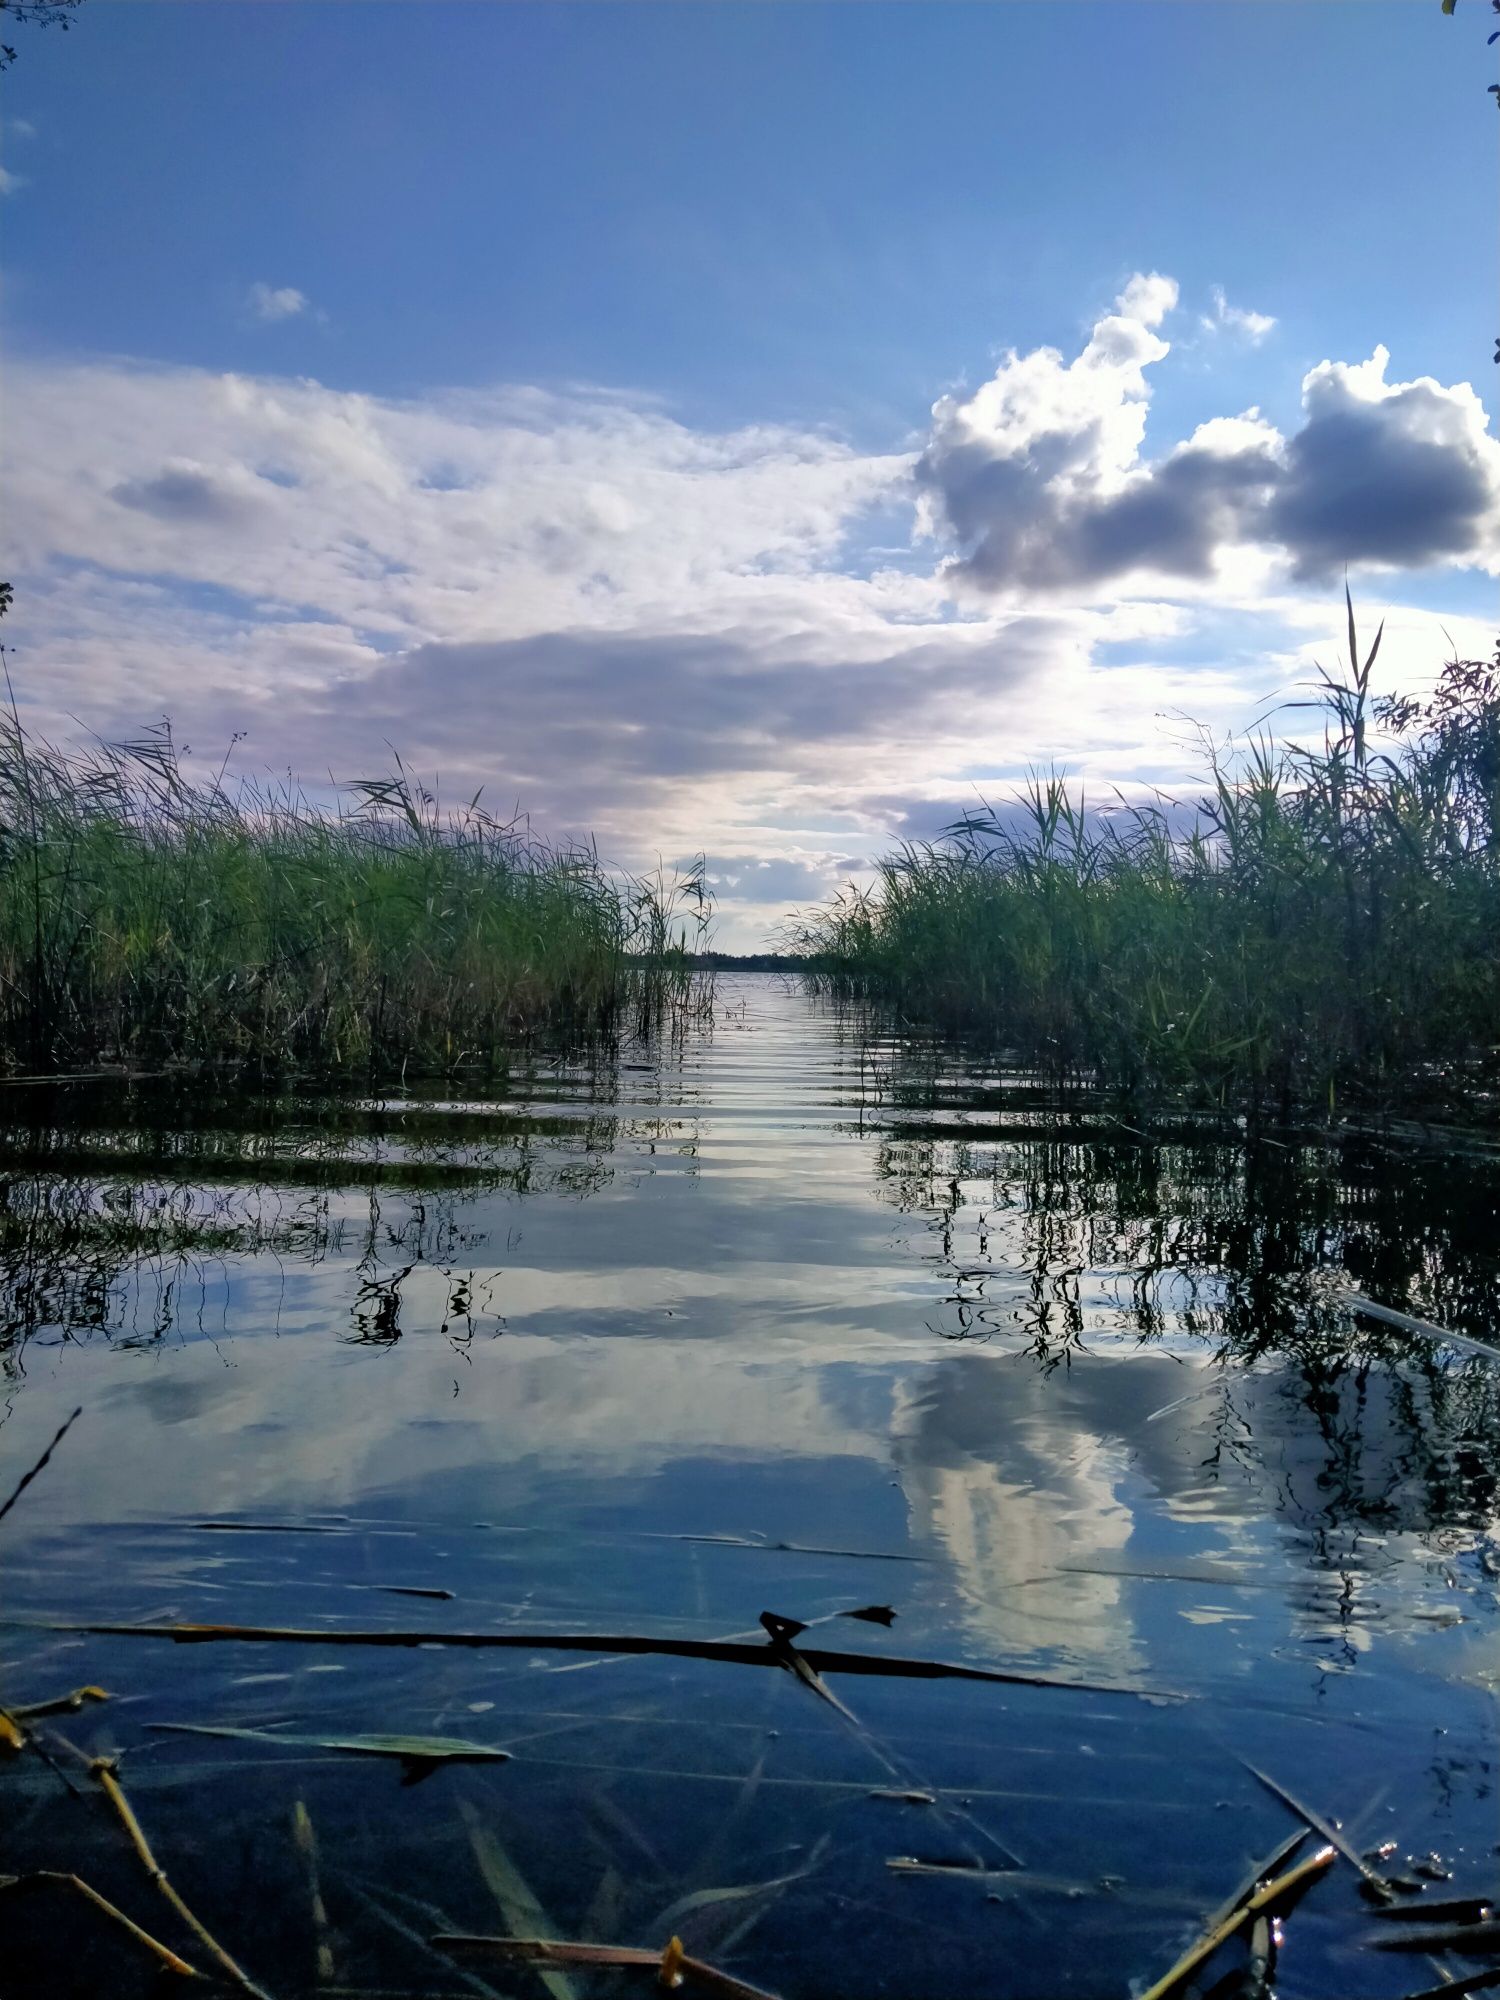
{"x": 793, "y": 1318}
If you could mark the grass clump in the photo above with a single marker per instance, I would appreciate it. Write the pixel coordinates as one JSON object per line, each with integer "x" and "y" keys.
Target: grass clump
{"x": 148, "y": 918}
{"x": 1324, "y": 926}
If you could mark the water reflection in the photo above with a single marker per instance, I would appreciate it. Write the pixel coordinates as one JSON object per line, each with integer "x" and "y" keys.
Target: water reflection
{"x": 797, "y": 1315}
{"x": 117, "y": 1223}
{"x": 1233, "y": 1258}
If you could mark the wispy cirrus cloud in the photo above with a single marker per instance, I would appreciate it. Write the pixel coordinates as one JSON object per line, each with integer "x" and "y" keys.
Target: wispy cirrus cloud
{"x": 12, "y": 129}
{"x": 1225, "y": 318}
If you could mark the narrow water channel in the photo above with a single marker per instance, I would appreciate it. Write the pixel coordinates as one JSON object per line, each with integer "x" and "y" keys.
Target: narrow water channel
{"x": 792, "y": 1317}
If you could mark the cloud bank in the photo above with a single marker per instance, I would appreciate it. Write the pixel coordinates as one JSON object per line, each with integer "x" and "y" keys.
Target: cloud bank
{"x": 677, "y": 637}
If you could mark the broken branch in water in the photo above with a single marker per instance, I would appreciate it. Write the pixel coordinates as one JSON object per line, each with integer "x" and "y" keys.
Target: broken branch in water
{"x": 104, "y": 1771}
{"x": 820, "y": 1660}
{"x": 672, "y": 1967}
{"x": 1277, "y": 1891}
{"x": 42, "y": 1877}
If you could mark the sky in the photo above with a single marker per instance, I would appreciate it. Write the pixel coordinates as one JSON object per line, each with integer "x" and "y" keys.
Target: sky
{"x": 753, "y": 430}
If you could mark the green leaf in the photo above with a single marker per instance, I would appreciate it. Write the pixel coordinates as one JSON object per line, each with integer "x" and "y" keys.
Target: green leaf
{"x": 405, "y": 1749}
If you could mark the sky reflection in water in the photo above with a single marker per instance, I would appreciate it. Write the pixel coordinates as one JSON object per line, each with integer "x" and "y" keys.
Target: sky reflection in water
{"x": 583, "y": 1355}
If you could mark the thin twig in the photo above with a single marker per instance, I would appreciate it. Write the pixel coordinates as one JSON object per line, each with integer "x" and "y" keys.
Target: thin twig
{"x": 27, "y": 1477}
{"x": 1425, "y": 1329}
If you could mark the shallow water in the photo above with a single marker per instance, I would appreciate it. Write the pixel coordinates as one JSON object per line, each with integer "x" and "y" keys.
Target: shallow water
{"x": 794, "y": 1317}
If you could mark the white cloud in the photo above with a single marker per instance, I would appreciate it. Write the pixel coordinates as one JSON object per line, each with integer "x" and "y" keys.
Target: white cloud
{"x": 1148, "y": 297}
{"x": 10, "y": 182}
{"x": 273, "y": 302}
{"x": 677, "y": 637}
{"x": 1398, "y": 473}
{"x": 1039, "y": 475}
{"x": 1226, "y": 318}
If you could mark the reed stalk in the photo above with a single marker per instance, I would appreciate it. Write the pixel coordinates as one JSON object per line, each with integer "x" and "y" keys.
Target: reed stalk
{"x": 1322, "y": 927}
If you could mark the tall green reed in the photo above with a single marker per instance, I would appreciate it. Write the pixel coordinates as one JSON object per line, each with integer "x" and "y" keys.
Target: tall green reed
{"x": 1324, "y": 925}
{"x": 146, "y": 916}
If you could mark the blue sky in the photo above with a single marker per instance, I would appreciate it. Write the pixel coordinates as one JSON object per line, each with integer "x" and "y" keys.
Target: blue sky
{"x": 551, "y": 389}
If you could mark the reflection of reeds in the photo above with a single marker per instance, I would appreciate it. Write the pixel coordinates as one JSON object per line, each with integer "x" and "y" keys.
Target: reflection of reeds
{"x": 113, "y": 1228}
{"x": 147, "y": 916}
{"x": 1326, "y": 925}
{"x": 1054, "y": 1237}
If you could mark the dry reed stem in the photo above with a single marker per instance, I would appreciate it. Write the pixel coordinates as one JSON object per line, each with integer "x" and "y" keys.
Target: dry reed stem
{"x": 1263, "y": 1899}
{"x": 672, "y": 1966}
{"x": 104, "y": 1772}
{"x": 163, "y": 1952}
{"x": 61, "y": 1704}
{"x": 881, "y": 1666}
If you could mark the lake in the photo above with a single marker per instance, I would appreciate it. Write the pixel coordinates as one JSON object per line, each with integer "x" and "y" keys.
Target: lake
{"x": 795, "y": 1315}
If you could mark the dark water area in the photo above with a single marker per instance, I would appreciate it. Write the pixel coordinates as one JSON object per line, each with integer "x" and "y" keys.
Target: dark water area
{"x": 794, "y": 1316}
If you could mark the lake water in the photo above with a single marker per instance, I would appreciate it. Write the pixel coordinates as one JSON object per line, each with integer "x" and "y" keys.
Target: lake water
{"x": 794, "y": 1317}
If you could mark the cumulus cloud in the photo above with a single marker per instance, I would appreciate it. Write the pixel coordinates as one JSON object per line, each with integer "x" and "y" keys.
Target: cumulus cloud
{"x": 1040, "y": 474}
{"x": 1225, "y": 318}
{"x": 1400, "y": 473}
{"x": 273, "y": 302}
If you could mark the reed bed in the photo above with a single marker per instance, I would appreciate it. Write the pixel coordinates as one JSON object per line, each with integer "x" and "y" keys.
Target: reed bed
{"x": 149, "y": 918}
{"x": 1322, "y": 926}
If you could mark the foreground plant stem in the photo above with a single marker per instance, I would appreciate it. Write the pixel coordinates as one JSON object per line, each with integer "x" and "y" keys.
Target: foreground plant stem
{"x": 672, "y": 1967}
{"x": 104, "y": 1771}
{"x": 167, "y": 1956}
